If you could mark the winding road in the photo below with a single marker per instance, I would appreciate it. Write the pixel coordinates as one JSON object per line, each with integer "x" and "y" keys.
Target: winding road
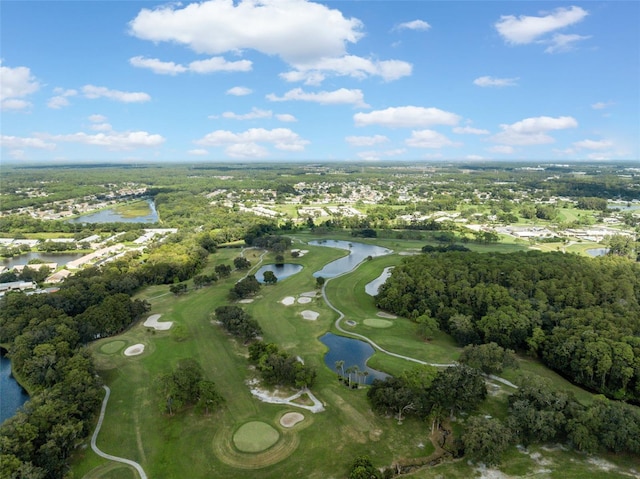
{"x": 95, "y": 448}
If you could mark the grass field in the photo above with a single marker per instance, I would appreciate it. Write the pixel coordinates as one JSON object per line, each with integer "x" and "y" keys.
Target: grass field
{"x": 191, "y": 444}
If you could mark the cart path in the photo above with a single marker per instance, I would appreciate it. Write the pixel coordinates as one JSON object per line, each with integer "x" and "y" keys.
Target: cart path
{"x": 129, "y": 462}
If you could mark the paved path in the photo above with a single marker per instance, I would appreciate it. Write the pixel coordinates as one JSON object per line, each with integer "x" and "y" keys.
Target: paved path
{"x": 129, "y": 462}
{"x": 380, "y": 348}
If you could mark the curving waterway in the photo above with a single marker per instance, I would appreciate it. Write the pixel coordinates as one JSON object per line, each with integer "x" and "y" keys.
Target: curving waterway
{"x": 12, "y": 396}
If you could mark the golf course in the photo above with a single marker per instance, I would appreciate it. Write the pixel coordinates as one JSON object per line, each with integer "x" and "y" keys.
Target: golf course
{"x": 259, "y": 432}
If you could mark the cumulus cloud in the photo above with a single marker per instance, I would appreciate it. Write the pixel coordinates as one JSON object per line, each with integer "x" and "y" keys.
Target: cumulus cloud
{"x": 533, "y": 131}
{"x": 211, "y": 65}
{"x": 487, "y": 81}
{"x": 15, "y": 84}
{"x": 239, "y": 91}
{"x": 468, "y": 130}
{"x": 254, "y": 114}
{"x": 413, "y": 25}
{"x": 96, "y": 118}
{"x": 60, "y": 100}
{"x": 563, "y": 43}
{"x": 406, "y": 116}
{"x": 527, "y": 29}
{"x": 94, "y": 92}
{"x": 314, "y": 72}
{"x": 7, "y": 141}
{"x": 248, "y": 144}
{"x": 428, "y": 139}
{"x": 295, "y": 30}
{"x": 286, "y": 118}
{"x": 378, "y": 155}
{"x": 593, "y": 144}
{"x": 157, "y": 66}
{"x": 342, "y": 96}
{"x": 112, "y": 140}
{"x": 366, "y": 140}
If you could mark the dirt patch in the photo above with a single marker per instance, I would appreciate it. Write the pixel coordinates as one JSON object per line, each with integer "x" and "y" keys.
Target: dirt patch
{"x": 290, "y": 419}
{"x": 152, "y": 322}
{"x": 134, "y": 350}
{"x": 310, "y": 315}
{"x": 288, "y": 301}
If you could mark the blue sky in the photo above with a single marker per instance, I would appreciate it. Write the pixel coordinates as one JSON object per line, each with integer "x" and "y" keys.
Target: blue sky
{"x": 288, "y": 80}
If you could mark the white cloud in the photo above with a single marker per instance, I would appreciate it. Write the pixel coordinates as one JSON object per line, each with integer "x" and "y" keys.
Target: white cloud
{"x": 239, "y": 91}
{"x": 213, "y": 64}
{"x": 249, "y": 140}
{"x": 474, "y": 157}
{"x": 468, "y": 130}
{"x": 593, "y": 144}
{"x": 341, "y": 96}
{"x": 526, "y": 29}
{"x": 533, "y": 131}
{"x": 413, "y": 25}
{"x": 601, "y": 105}
{"x": 198, "y": 152}
{"x": 93, "y": 92}
{"x": 246, "y": 150}
{"x": 488, "y": 81}
{"x": 406, "y": 116}
{"x": 366, "y": 140}
{"x": 101, "y": 127}
{"x": 286, "y": 118}
{"x": 503, "y": 149}
{"x": 60, "y": 100}
{"x": 96, "y": 118}
{"x": 564, "y": 43}
{"x": 113, "y": 140}
{"x": 428, "y": 139}
{"x": 254, "y": 114}
{"x": 378, "y": 155}
{"x": 295, "y": 30}
{"x": 7, "y": 141}
{"x": 16, "y": 83}
{"x": 314, "y": 72}
{"x": 157, "y": 66}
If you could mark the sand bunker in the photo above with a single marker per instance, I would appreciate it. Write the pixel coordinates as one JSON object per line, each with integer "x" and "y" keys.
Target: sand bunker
{"x": 152, "y": 322}
{"x": 288, "y": 301}
{"x": 291, "y": 419}
{"x": 310, "y": 315}
{"x": 301, "y": 252}
{"x": 309, "y": 294}
{"x": 304, "y": 300}
{"x": 246, "y": 301}
{"x": 386, "y": 315}
{"x": 134, "y": 350}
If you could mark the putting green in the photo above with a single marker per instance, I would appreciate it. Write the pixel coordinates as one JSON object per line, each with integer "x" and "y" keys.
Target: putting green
{"x": 112, "y": 347}
{"x": 377, "y": 323}
{"x": 255, "y": 436}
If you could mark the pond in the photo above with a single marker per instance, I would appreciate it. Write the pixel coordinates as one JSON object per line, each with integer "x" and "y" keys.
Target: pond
{"x": 13, "y": 396}
{"x": 358, "y": 252}
{"x": 597, "y": 251}
{"x": 60, "y": 258}
{"x": 373, "y": 287}
{"x": 281, "y": 271}
{"x": 111, "y": 216}
{"x": 352, "y": 352}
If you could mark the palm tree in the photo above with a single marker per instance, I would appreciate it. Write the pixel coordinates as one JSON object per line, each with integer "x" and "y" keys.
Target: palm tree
{"x": 340, "y": 368}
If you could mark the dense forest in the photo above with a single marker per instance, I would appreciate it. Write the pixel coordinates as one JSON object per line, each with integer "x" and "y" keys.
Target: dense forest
{"x": 581, "y": 316}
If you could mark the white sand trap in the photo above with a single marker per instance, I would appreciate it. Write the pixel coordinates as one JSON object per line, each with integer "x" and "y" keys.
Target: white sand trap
{"x": 382, "y": 314}
{"x": 288, "y": 301}
{"x": 291, "y": 419}
{"x": 310, "y": 315}
{"x": 134, "y": 350}
{"x": 309, "y": 294}
{"x": 304, "y": 300}
{"x": 152, "y": 322}
{"x": 246, "y": 301}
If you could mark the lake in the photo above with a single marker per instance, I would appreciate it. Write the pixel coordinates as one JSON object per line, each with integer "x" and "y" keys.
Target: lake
{"x": 352, "y": 352}
{"x": 358, "y": 252}
{"x": 373, "y": 287}
{"x": 111, "y": 216}
{"x": 60, "y": 258}
{"x": 281, "y": 271}
{"x": 13, "y": 396}
{"x": 597, "y": 251}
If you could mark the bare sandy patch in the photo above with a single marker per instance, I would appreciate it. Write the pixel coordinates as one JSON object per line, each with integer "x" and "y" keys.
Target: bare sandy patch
{"x": 382, "y": 314}
{"x": 290, "y": 419}
{"x": 304, "y": 300}
{"x": 310, "y": 315}
{"x": 134, "y": 350}
{"x": 152, "y": 322}
{"x": 246, "y": 301}
{"x": 288, "y": 301}
{"x": 309, "y": 294}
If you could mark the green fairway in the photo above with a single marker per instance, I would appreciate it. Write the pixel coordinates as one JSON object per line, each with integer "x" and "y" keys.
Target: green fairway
{"x": 255, "y": 436}
{"x": 377, "y": 323}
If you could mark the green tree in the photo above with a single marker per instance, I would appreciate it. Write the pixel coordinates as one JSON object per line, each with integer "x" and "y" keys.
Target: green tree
{"x": 486, "y": 439}
{"x": 269, "y": 277}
